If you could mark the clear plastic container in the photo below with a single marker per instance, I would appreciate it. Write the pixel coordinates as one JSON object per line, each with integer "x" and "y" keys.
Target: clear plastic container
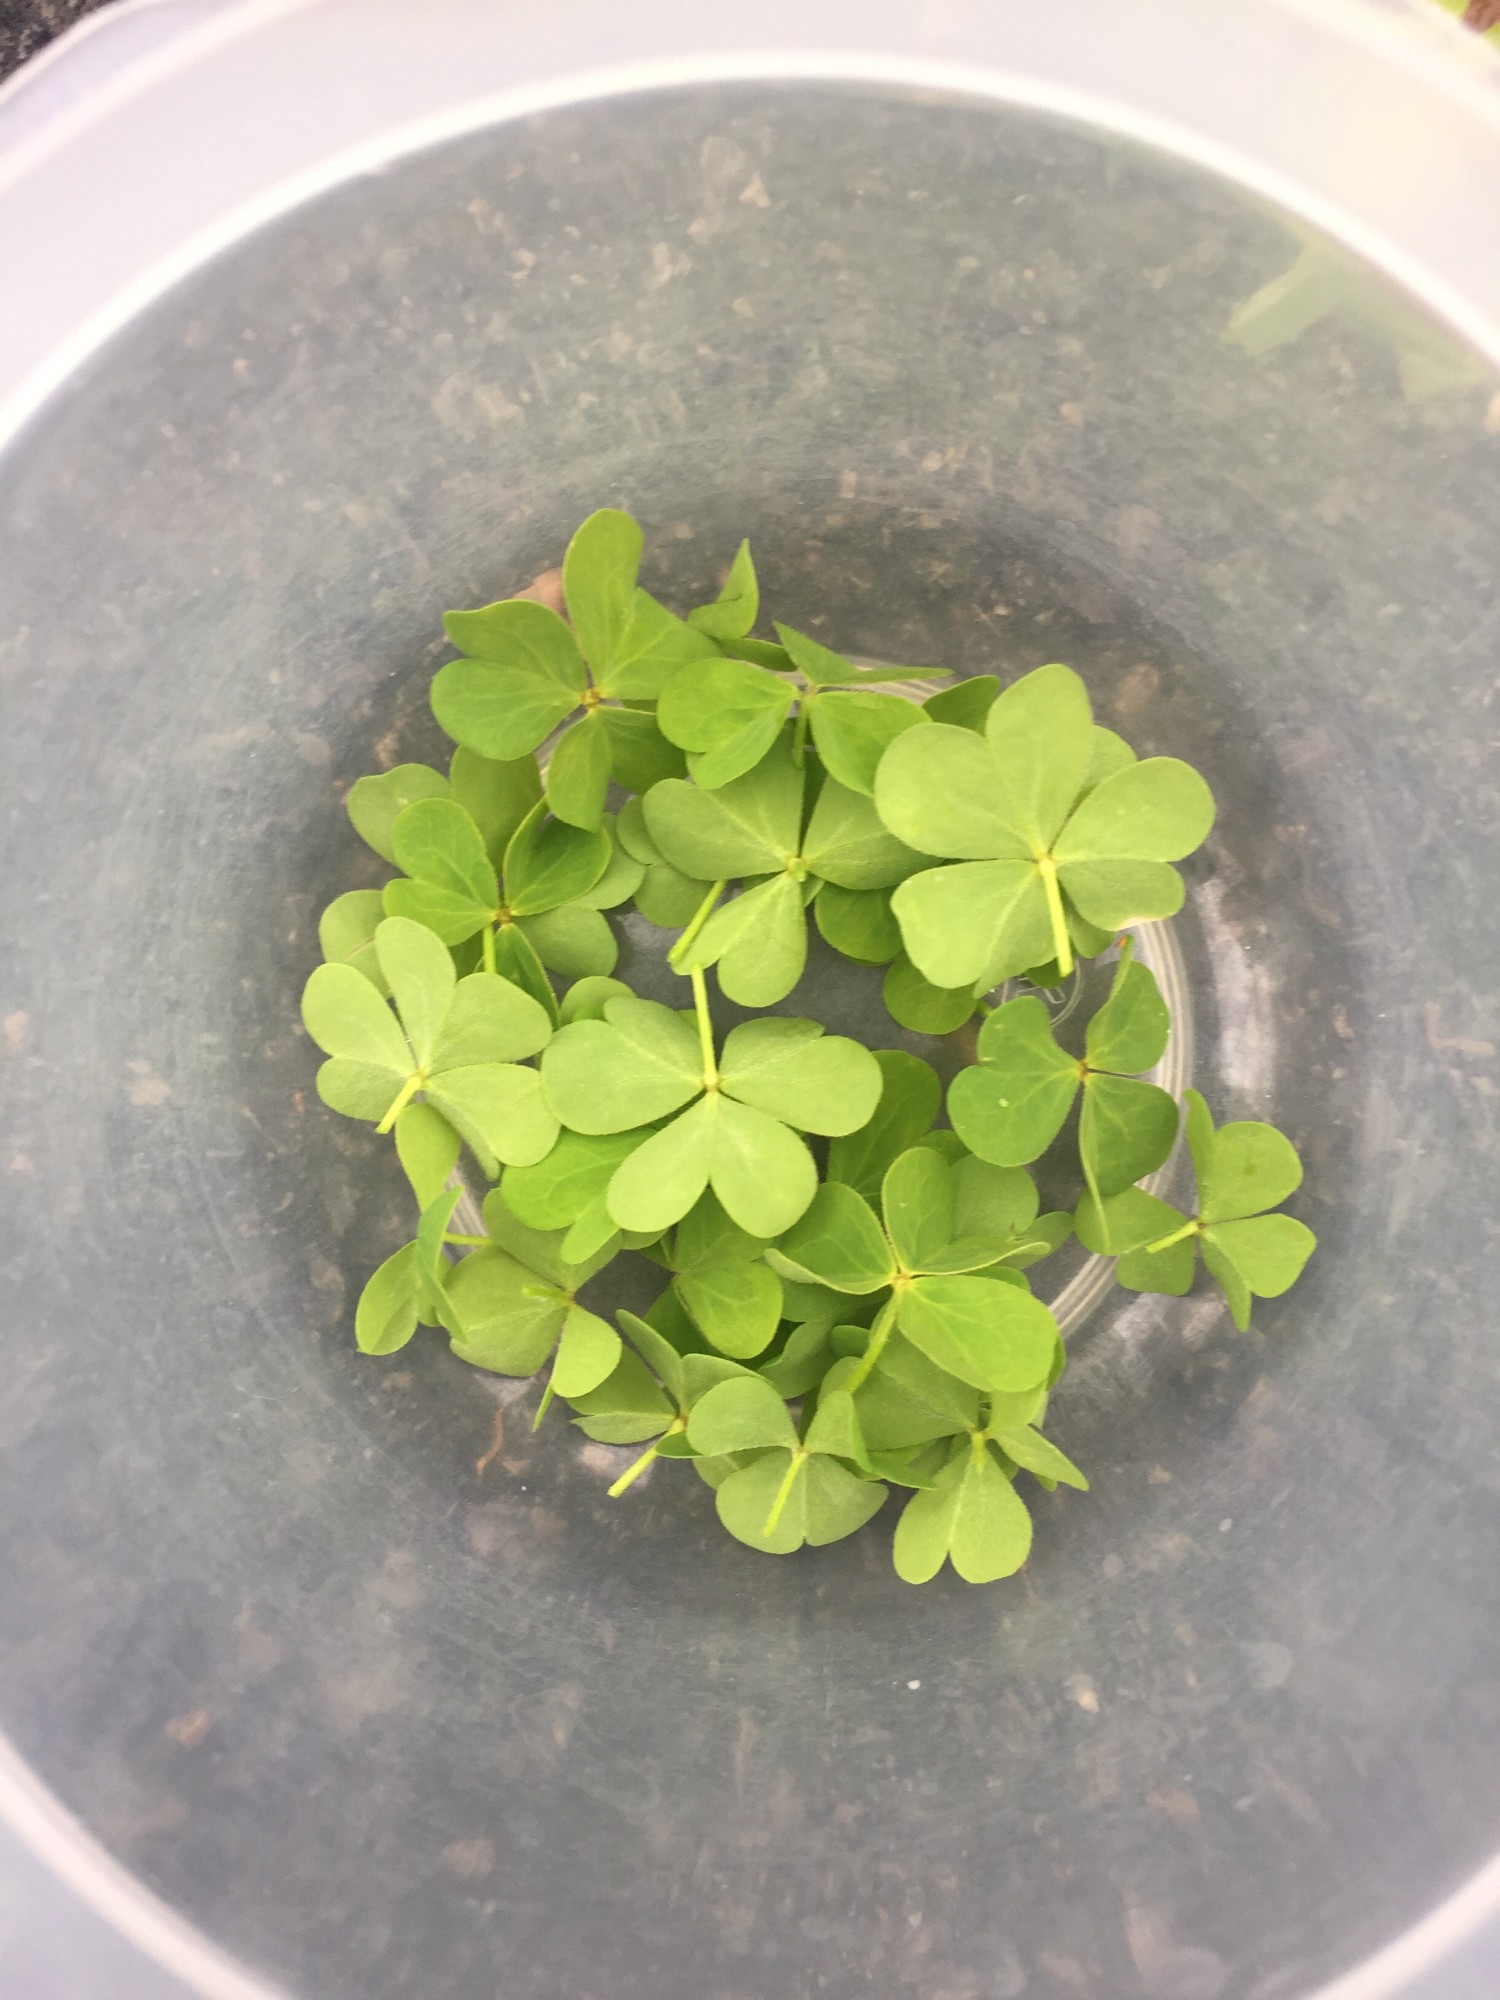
{"x": 1006, "y": 335}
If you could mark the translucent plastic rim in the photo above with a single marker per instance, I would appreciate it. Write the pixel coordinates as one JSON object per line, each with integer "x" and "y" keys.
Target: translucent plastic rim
{"x": 146, "y": 84}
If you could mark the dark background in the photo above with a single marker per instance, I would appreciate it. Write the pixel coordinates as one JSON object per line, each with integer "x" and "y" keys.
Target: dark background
{"x": 26, "y": 25}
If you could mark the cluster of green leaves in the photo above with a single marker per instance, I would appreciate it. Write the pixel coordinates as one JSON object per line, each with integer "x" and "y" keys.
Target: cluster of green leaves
{"x": 845, "y": 1306}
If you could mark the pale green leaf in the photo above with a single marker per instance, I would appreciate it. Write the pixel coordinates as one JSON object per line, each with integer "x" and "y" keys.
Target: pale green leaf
{"x": 488, "y": 1020}
{"x": 506, "y": 1327}
{"x": 346, "y": 933}
{"x": 1126, "y": 1130}
{"x": 966, "y": 704}
{"x": 549, "y": 863}
{"x": 938, "y": 790}
{"x": 427, "y": 1147}
{"x": 1009, "y": 1106}
{"x": 1129, "y": 1032}
{"x": 387, "y": 1314}
{"x": 994, "y": 1336}
{"x": 1040, "y": 736}
{"x": 557, "y": 1189}
{"x": 742, "y": 1414}
{"x": 917, "y": 1200}
{"x": 818, "y": 1083}
{"x": 846, "y": 843}
{"x": 749, "y": 827}
{"x": 575, "y": 941}
{"x": 852, "y": 732}
{"x": 909, "y": 1101}
{"x": 640, "y": 756}
{"x": 737, "y": 605}
{"x": 758, "y": 941}
{"x": 525, "y": 675}
{"x": 587, "y": 1353}
{"x": 635, "y": 1066}
{"x": 599, "y": 572}
{"x": 978, "y": 921}
{"x": 577, "y": 778}
{"x": 346, "y": 1017}
{"x": 500, "y": 1111}
{"x": 374, "y": 803}
{"x": 497, "y": 796}
{"x": 836, "y": 1242}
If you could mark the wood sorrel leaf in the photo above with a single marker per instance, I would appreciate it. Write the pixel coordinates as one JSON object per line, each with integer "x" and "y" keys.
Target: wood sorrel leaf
{"x": 599, "y": 573}
{"x": 1259, "y": 1257}
{"x": 346, "y": 933}
{"x": 846, "y": 843}
{"x": 1010, "y": 1105}
{"x": 621, "y": 878}
{"x": 966, "y": 704}
{"x": 506, "y": 1326}
{"x": 427, "y": 1147}
{"x": 737, "y": 605}
{"x": 917, "y": 1200}
{"x": 578, "y": 772}
{"x": 585, "y": 999}
{"x": 452, "y": 889}
{"x": 557, "y": 1189}
{"x": 574, "y": 941}
{"x": 388, "y": 1311}
{"x": 1129, "y": 1032}
{"x": 640, "y": 756}
{"x": 852, "y": 732}
{"x": 758, "y": 942}
{"x": 909, "y": 1101}
{"x": 743, "y": 1414}
{"x": 1242, "y": 1169}
{"x": 975, "y": 923}
{"x": 836, "y": 1242}
{"x": 1038, "y": 1455}
{"x": 1125, "y": 1131}
{"x": 638, "y": 1064}
{"x": 914, "y": 1002}
{"x": 994, "y": 1336}
{"x": 751, "y": 826}
{"x": 496, "y": 796}
{"x": 548, "y": 863}
{"x": 525, "y": 676}
{"x": 375, "y": 803}
{"x": 727, "y": 713}
{"x": 972, "y": 1516}
{"x": 857, "y": 922}
{"x": 818, "y": 1083}
{"x": 500, "y": 1111}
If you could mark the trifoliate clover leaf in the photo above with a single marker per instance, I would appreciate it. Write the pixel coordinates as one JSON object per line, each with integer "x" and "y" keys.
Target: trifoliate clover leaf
{"x": 1029, "y": 838}
{"x": 526, "y": 672}
{"x": 458, "y": 1041}
{"x": 515, "y": 1302}
{"x": 452, "y": 887}
{"x": 753, "y": 827}
{"x": 728, "y": 713}
{"x": 738, "y": 1132}
{"x": 1243, "y": 1170}
{"x": 1010, "y": 1105}
{"x": 375, "y": 803}
{"x": 992, "y": 1335}
{"x": 796, "y": 1492}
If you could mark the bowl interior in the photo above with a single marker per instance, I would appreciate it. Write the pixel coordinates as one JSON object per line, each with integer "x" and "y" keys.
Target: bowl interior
{"x": 366, "y": 1679}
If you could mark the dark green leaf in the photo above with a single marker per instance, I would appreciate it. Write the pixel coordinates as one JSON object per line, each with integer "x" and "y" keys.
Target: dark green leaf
{"x": 1126, "y": 1130}
{"x": 909, "y": 1102}
{"x": 914, "y": 1002}
{"x": 857, "y": 922}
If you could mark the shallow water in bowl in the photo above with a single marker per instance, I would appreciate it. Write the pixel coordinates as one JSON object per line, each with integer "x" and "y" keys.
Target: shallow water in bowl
{"x": 470, "y": 1727}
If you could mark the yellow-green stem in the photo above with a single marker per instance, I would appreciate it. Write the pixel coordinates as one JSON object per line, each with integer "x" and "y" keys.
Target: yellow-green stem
{"x": 784, "y": 1492}
{"x": 705, "y": 1028}
{"x": 1166, "y": 1242}
{"x": 471, "y": 1242}
{"x": 880, "y": 1333}
{"x": 699, "y": 918}
{"x": 488, "y": 943}
{"x": 647, "y": 1458}
{"x": 403, "y": 1097}
{"x": 1061, "y": 942}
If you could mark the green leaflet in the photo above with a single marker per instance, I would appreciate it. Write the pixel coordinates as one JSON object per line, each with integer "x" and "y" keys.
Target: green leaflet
{"x": 1010, "y": 1105}
{"x": 971, "y": 1517}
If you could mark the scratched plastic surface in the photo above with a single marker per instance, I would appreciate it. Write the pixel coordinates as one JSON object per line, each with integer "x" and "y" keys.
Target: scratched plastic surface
{"x": 388, "y": 1713}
